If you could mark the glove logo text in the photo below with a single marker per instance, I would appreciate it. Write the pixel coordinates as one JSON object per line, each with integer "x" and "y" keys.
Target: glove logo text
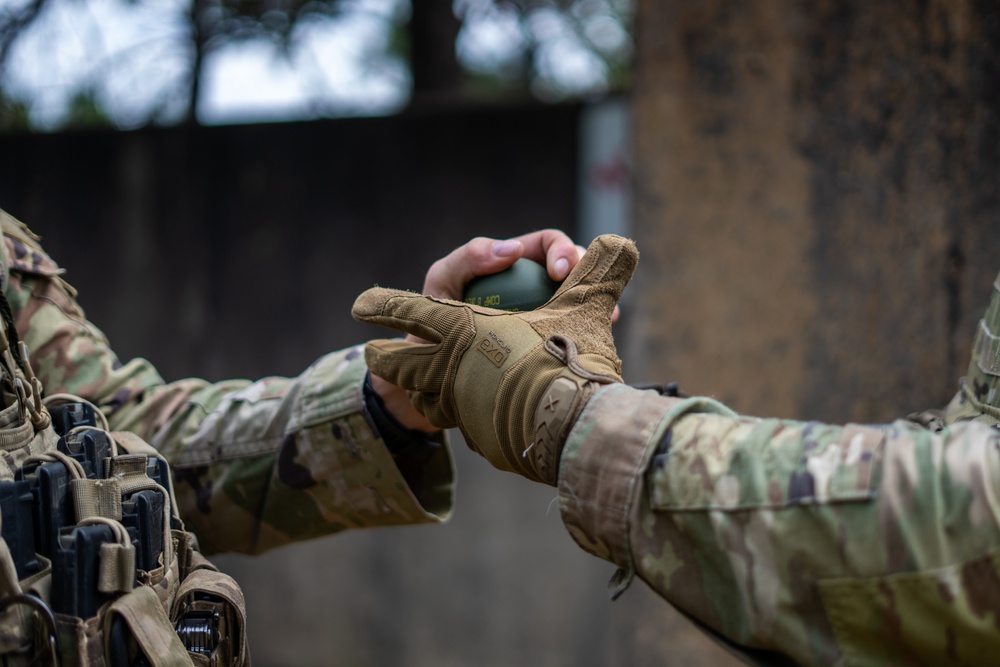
{"x": 494, "y": 349}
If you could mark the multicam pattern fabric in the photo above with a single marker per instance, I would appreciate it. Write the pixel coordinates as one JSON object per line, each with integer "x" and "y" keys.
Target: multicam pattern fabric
{"x": 792, "y": 542}
{"x": 979, "y": 398}
{"x": 256, "y": 464}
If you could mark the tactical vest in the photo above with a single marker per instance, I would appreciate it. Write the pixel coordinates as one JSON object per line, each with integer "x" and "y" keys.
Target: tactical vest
{"x": 95, "y": 565}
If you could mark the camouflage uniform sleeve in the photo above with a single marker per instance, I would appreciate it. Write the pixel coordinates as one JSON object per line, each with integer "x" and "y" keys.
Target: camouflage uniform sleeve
{"x": 792, "y": 542}
{"x": 256, "y": 464}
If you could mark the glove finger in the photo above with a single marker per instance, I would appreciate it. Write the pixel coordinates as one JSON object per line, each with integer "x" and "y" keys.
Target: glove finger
{"x": 407, "y": 365}
{"x": 396, "y": 309}
{"x": 410, "y": 366}
{"x": 420, "y": 367}
{"x": 434, "y": 409}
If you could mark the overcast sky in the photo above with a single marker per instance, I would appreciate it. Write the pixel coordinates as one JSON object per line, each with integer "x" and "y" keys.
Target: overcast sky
{"x": 132, "y": 53}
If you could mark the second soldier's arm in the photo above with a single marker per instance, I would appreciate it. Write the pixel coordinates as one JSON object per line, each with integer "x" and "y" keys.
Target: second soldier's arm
{"x": 792, "y": 542}
{"x": 826, "y": 544}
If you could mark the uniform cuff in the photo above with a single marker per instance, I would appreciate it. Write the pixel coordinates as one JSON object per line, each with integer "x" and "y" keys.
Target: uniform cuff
{"x": 604, "y": 461}
{"x": 353, "y": 462}
{"x": 602, "y": 464}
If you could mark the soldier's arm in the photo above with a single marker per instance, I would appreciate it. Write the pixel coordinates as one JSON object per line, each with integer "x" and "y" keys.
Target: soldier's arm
{"x": 256, "y": 464}
{"x": 817, "y": 542}
{"x": 260, "y": 464}
{"x": 795, "y": 543}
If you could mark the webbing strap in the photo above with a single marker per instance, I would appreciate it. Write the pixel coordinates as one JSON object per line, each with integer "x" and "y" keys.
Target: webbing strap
{"x": 117, "y": 570}
{"x": 16, "y": 433}
{"x": 133, "y": 444}
{"x": 96, "y": 497}
{"x": 149, "y": 625}
{"x": 117, "y": 561}
{"x": 130, "y": 471}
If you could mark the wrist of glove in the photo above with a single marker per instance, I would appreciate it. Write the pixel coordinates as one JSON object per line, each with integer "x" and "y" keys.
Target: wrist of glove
{"x": 513, "y": 383}
{"x": 559, "y": 404}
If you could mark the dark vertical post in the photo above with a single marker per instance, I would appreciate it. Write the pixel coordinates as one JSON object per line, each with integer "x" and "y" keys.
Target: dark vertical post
{"x": 433, "y": 30}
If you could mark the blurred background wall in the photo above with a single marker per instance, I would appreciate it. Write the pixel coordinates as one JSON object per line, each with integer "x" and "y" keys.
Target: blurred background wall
{"x": 816, "y": 201}
{"x": 814, "y": 191}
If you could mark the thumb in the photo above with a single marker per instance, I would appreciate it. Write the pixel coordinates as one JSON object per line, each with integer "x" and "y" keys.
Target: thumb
{"x": 582, "y": 307}
{"x": 600, "y": 277}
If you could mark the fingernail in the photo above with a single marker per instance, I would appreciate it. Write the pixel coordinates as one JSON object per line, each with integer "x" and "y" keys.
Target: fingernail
{"x": 561, "y": 268}
{"x": 505, "y": 248}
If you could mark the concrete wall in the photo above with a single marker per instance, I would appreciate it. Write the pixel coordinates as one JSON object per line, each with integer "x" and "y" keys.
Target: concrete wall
{"x": 816, "y": 206}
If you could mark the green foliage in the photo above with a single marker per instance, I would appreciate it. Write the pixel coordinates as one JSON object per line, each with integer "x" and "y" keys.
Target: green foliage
{"x": 400, "y": 42}
{"x": 85, "y": 111}
{"x": 14, "y": 115}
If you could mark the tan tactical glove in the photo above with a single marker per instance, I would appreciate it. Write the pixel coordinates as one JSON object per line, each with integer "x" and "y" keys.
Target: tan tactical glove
{"x": 514, "y": 383}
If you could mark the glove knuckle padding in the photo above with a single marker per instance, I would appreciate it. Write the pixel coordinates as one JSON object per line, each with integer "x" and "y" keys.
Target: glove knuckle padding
{"x": 514, "y": 432}
{"x": 448, "y": 325}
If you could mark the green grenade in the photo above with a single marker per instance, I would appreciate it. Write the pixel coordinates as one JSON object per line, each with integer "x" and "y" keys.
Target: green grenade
{"x": 525, "y": 285}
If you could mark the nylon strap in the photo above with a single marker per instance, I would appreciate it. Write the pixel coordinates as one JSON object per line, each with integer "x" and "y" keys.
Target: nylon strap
{"x": 96, "y": 497}
{"x": 117, "y": 561}
{"x": 117, "y": 573}
{"x": 130, "y": 472}
{"x": 133, "y": 444}
{"x": 15, "y": 432}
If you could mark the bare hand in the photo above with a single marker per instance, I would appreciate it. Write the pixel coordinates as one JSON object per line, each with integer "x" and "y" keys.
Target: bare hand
{"x": 483, "y": 256}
